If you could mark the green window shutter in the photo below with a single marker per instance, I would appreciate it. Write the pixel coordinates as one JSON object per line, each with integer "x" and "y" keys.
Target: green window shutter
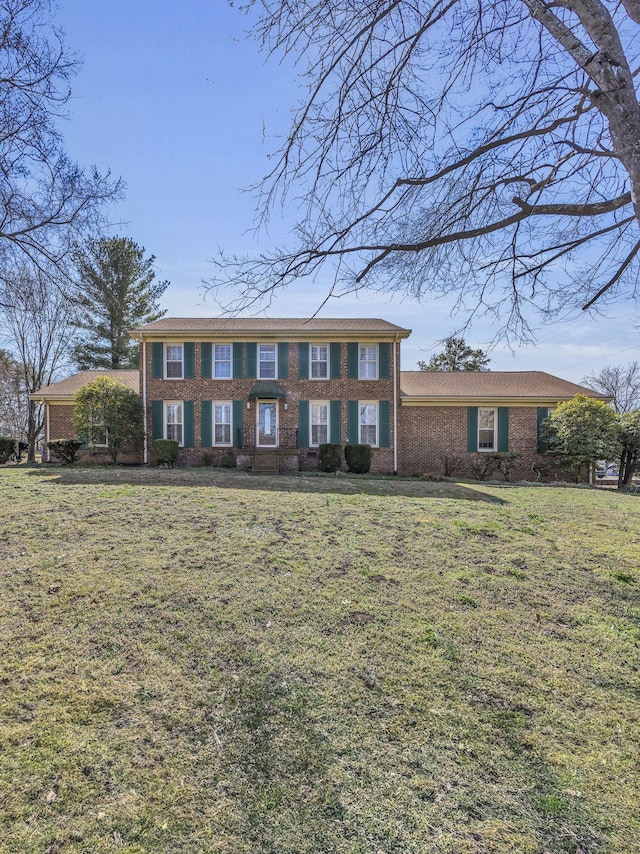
{"x": 352, "y": 361}
{"x": 541, "y": 414}
{"x": 384, "y": 361}
{"x": 335, "y": 351}
{"x": 303, "y": 424}
{"x": 384, "y": 427}
{"x": 472, "y": 428}
{"x": 206, "y": 363}
{"x": 303, "y": 360}
{"x": 83, "y": 442}
{"x": 503, "y": 428}
{"x": 189, "y": 370}
{"x": 353, "y": 433}
{"x": 335, "y": 421}
{"x": 157, "y": 357}
{"x": 252, "y": 357}
{"x": 283, "y": 361}
{"x": 206, "y": 435}
{"x": 157, "y": 419}
{"x": 237, "y": 360}
{"x": 238, "y": 413}
{"x": 188, "y": 424}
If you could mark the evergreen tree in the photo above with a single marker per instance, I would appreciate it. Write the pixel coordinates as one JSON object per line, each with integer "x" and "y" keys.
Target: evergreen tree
{"x": 456, "y": 356}
{"x": 117, "y": 292}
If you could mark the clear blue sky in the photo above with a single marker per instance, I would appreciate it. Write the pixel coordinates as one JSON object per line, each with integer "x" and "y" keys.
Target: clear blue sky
{"x": 179, "y": 102}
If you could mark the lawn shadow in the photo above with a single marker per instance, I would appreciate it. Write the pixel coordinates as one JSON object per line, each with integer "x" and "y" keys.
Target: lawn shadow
{"x": 310, "y": 482}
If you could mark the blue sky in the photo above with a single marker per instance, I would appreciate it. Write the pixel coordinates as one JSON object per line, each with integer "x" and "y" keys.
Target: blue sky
{"x": 180, "y": 103}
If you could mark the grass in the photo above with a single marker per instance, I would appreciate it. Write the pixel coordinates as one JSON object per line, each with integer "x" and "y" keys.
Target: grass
{"x": 199, "y": 661}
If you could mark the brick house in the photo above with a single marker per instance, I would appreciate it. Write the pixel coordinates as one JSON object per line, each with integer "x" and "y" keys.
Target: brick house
{"x": 265, "y": 393}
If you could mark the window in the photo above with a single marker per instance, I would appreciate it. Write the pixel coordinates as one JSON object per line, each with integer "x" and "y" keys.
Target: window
{"x": 173, "y": 361}
{"x": 319, "y": 422}
{"x": 368, "y": 362}
{"x": 222, "y": 423}
{"x": 99, "y": 436}
{"x": 368, "y": 424}
{"x": 222, "y": 361}
{"x": 487, "y": 424}
{"x": 173, "y": 422}
{"x": 267, "y": 355}
{"x": 319, "y": 362}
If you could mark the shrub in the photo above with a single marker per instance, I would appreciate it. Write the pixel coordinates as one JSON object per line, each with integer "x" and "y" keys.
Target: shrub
{"x": 208, "y": 458}
{"x": 64, "y": 450}
{"x": 358, "y": 458}
{"x": 487, "y": 464}
{"x": 329, "y": 457}
{"x": 166, "y": 452}
{"x": 7, "y": 450}
{"x": 227, "y": 461}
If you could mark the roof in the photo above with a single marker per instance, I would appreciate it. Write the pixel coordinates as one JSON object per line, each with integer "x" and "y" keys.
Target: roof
{"x": 463, "y": 386}
{"x": 66, "y": 389}
{"x": 299, "y": 327}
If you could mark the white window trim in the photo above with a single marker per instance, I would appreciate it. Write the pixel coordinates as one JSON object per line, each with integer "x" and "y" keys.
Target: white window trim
{"x": 259, "y": 363}
{"x": 313, "y": 403}
{"x": 375, "y": 403}
{"x": 377, "y": 376}
{"x": 221, "y": 361}
{"x": 319, "y": 361}
{"x": 165, "y": 420}
{"x": 215, "y": 444}
{"x": 166, "y": 360}
{"x": 495, "y": 430}
{"x": 105, "y": 444}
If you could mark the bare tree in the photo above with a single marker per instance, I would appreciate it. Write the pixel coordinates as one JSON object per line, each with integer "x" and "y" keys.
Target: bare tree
{"x": 485, "y": 149}
{"x": 13, "y": 398}
{"x": 36, "y": 328}
{"x": 620, "y": 383}
{"x": 46, "y": 201}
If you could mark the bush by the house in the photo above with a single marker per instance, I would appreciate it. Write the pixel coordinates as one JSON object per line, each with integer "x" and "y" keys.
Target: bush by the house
{"x": 8, "y": 450}
{"x": 358, "y": 458}
{"x": 489, "y": 464}
{"x": 166, "y": 452}
{"x": 329, "y": 457}
{"x": 64, "y": 450}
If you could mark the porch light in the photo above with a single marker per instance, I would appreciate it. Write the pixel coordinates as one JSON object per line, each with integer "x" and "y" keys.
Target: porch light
{"x": 248, "y": 404}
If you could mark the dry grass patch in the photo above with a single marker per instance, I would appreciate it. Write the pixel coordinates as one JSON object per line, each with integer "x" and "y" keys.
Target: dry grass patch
{"x": 207, "y": 662}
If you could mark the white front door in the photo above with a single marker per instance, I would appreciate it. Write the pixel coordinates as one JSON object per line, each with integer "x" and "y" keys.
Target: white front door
{"x": 267, "y": 426}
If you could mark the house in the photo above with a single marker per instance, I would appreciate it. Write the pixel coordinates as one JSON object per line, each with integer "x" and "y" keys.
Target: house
{"x": 265, "y": 393}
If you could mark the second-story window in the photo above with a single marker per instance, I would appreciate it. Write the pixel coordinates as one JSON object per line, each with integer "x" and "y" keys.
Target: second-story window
{"x": 267, "y": 358}
{"x": 319, "y": 362}
{"x": 368, "y": 362}
{"x": 222, "y": 361}
{"x": 174, "y": 361}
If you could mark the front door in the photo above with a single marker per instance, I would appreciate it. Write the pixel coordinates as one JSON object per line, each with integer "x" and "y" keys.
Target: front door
{"x": 267, "y": 414}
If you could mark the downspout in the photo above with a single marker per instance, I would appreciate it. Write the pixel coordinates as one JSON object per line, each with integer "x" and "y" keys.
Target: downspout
{"x": 395, "y": 406}
{"x": 145, "y": 455}
{"x": 46, "y": 448}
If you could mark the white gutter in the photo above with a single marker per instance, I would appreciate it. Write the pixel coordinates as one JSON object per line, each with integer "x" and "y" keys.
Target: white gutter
{"x": 46, "y": 449}
{"x": 145, "y": 455}
{"x": 395, "y": 405}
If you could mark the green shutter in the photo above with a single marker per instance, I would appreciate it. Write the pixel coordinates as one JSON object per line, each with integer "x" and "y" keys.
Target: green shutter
{"x": 503, "y": 428}
{"x": 237, "y": 360}
{"x": 283, "y": 361}
{"x": 238, "y": 413}
{"x": 157, "y": 358}
{"x": 206, "y": 435}
{"x": 157, "y": 419}
{"x": 352, "y": 361}
{"x": 335, "y": 421}
{"x": 252, "y": 357}
{"x": 472, "y": 428}
{"x": 353, "y": 432}
{"x": 206, "y": 363}
{"x": 541, "y": 415}
{"x": 189, "y": 370}
{"x": 303, "y": 360}
{"x": 188, "y": 426}
{"x": 384, "y": 427}
{"x": 335, "y": 350}
{"x": 303, "y": 424}
{"x": 384, "y": 361}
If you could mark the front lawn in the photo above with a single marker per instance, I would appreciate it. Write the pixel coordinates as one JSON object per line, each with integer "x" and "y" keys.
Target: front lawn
{"x": 199, "y": 661}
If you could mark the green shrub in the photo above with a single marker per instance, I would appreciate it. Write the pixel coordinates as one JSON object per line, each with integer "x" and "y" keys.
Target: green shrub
{"x": 8, "y": 450}
{"x": 64, "y": 450}
{"x": 329, "y": 457}
{"x": 227, "y": 461}
{"x": 166, "y": 452}
{"x": 358, "y": 458}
